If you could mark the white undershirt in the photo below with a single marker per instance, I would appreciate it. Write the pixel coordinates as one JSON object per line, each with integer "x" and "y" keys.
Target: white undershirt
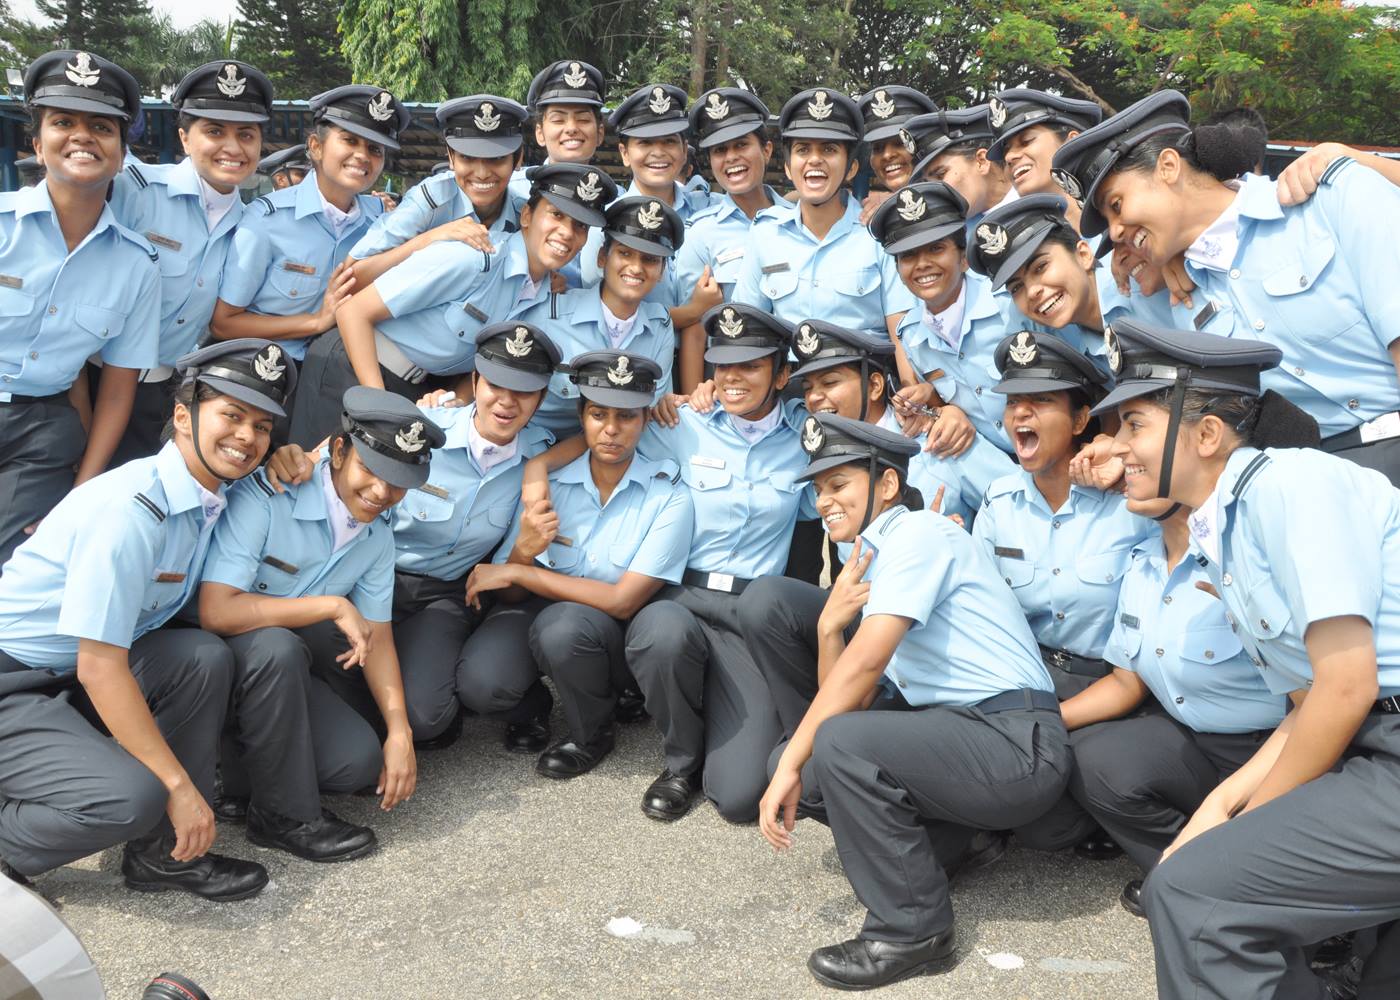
{"x": 485, "y": 453}
{"x": 216, "y": 205}
{"x": 617, "y": 329}
{"x": 530, "y": 289}
{"x": 340, "y": 221}
{"x": 1205, "y": 526}
{"x": 344, "y": 525}
{"x": 754, "y": 431}
{"x": 213, "y": 505}
{"x": 1216, "y": 247}
{"x": 948, "y": 323}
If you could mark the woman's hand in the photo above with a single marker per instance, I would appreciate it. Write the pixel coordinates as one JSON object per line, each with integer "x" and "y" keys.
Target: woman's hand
{"x": 702, "y": 397}
{"x": 338, "y": 292}
{"x": 290, "y": 466}
{"x": 486, "y": 577}
{"x": 1095, "y": 465}
{"x": 1211, "y": 814}
{"x": 193, "y": 821}
{"x": 848, "y": 593}
{"x": 359, "y": 633}
{"x": 467, "y": 231}
{"x": 952, "y": 433}
{"x": 667, "y": 412}
{"x": 707, "y": 292}
{"x": 399, "y": 776}
{"x": 777, "y": 810}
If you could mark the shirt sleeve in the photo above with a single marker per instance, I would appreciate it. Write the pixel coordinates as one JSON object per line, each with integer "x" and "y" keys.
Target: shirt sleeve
{"x": 748, "y": 289}
{"x": 240, "y": 540}
{"x": 440, "y": 272}
{"x": 138, "y": 345}
{"x": 373, "y": 595}
{"x": 1363, "y": 211}
{"x": 395, "y": 228}
{"x": 665, "y": 550}
{"x": 690, "y": 261}
{"x": 893, "y": 292}
{"x": 658, "y": 442}
{"x": 111, "y": 563}
{"x": 589, "y": 271}
{"x": 246, "y": 267}
{"x": 911, "y": 575}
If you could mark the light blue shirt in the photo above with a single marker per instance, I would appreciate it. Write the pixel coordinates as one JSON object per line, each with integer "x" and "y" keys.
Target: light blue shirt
{"x": 434, "y": 201}
{"x": 845, "y": 278}
{"x": 668, "y": 291}
{"x": 968, "y": 366}
{"x": 574, "y": 321}
{"x": 118, "y": 557}
{"x": 1174, "y": 636}
{"x": 282, "y": 545}
{"x": 1307, "y": 536}
{"x": 1318, "y": 281}
{"x": 453, "y": 521}
{"x": 1064, "y": 566}
{"x": 284, "y": 251}
{"x": 440, "y": 298}
{"x": 964, "y": 478}
{"x": 645, "y": 527}
{"x": 57, "y": 308}
{"x": 747, "y": 498}
{"x": 165, "y": 204}
{"x": 718, "y": 238}
{"x": 968, "y": 641}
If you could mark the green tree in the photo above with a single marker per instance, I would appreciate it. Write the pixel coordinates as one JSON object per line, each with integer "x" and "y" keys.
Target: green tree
{"x": 111, "y": 28}
{"x": 295, "y": 42}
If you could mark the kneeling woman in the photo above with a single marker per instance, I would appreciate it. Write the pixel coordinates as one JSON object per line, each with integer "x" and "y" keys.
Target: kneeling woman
{"x": 301, "y": 583}
{"x": 623, "y": 532}
{"x": 83, "y": 654}
{"x": 937, "y": 718}
{"x": 1304, "y": 550}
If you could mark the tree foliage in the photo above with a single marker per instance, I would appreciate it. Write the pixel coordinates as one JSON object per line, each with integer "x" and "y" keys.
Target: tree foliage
{"x": 295, "y": 42}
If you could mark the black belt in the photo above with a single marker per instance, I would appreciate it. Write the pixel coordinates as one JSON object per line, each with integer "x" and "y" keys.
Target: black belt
{"x": 1388, "y": 706}
{"x": 1347, "y": 440}
{"x": 1073, "y": 663}
{"x": 721, "y": 582}
{"x": 54, "y": 398}
{"x": 1020, "y": 700}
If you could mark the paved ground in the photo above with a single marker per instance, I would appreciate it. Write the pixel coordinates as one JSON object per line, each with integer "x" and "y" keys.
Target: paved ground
{"x": 494, "y": 883}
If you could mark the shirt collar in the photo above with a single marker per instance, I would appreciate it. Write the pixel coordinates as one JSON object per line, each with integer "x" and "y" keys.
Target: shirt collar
{"x": 678, "y": 200}
{"x": 1218, "y": 243}
{"x": 308, "y": 196}
{"x": 512, "y": 251}
{"x": 579, "y": 472}
{"x": 484, "y": 453}
{"x": 873, "y": 532}
{"x": 616, "y": 328}
{"x": 215, "y": 204}
{"x": 183, "y": 179}
{"x": 728, "y": 206}
{"x": 1259, "y": 198}
{"x": 754, "y": 431}
{"x": 33, "y": 200}
{"x": 339, "y": 221}
{"x": 182, "y": 490}
{"x": 948, "y": 325}
{"x": 850, "y": 218}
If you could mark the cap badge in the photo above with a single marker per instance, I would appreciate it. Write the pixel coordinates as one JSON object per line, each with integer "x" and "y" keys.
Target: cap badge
{"x": 660, "y": 102}
{"x": 819, "y": 107}
{"x": 807, "y": 341}
{"x": 410, "y": 439}
{"x": 717, "y": 108}
{"x": 993, "y": 237}
{"x": 1069, "y": 182}
{"x": 996, "y": 112}
{"x": 730, "y": 323}
{"x": 650, "y": 216}
{"x": 618, "y": 374}
{"x": 229, "y": 82}
{"x": 812, "y": 436}
{"x": 908, "y": 141}
{"x": 882, "y": 106}
{"x": 519, "y": 346}
{"x": 575, "y": 77}
{"x": 81, "y": 70}
{"x": 486, "y": 118}
{"x": 379, "y": 108}
{"x": 588, "y": 189}
{"x": 1023, "y": 349}
{"x": 1113, "y": 349}
{"x": 267, "y": 363}
{"x": 911, "y": 206}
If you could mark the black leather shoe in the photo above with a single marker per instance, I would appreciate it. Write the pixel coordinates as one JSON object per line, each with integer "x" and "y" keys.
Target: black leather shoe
{"x": 1334, "y": 951}
{"x": 985, "y": 849}
{"x": 1131, "y": 898}
{"x": 859, "y": 964}
{"x": 444, "y": 739}
{"x": 631, "y": 707}
{"x": 567, "y": 759}
{"x": 527, "y": 737}
{"x": 1098, "y": 846}
{"x": 229, "y": 808}
{"x": 669, "y": 797}
{"x": 326, "y": 839}
{"x": 149, "y": 867}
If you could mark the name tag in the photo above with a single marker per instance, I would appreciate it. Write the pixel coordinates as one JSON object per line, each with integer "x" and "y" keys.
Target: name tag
{"x": 435, "y": 491}
{"x": 733, "y": 253}
{"x": 1130, "y": 620}
{"x": 296, "y": 268}
{"x": 708, "y": 463}
{"x": 564, "y": 540}
{"x": 474, "y": 313}
{"x": 164, "y": 241}
{"x": 1205, "y": 315}
{"x": 1004, "y": 552}
{"x": 11, "y": 281}
{"x": 276, "y": 563}
{"x": 777, "y": 268}
{"x": 170, "y": 577}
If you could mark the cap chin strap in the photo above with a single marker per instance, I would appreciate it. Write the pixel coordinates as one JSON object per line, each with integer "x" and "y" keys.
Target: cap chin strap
{"x": 194, "y": 433}
{"x": 1167, "y": 514}
{"x": 1164, "y": 481}
{"x": 874, "y": 467}
{"x": 864, "y": 388}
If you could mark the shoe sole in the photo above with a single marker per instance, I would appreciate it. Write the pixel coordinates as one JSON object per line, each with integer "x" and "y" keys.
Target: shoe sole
{"x": 982, "y": 859}
{"x": 936, "y": 967}
{"x": 154, "y": 887}
{"x": 664, "y": 817}
{"x": 1135, "y": 910}
{"x": 323, "y": 859}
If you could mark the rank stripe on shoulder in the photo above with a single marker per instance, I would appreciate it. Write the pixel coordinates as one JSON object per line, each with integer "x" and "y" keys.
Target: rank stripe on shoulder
{"x": 428, "y": 197}
{"x": 1251, "y": 470}
{"x": 553, "y": 305}
{"x": 266, "y": 202}
{"x": 151, "y": 506}
{"x": 136, "y": 175}
{"x": 1332, "y": 169}
{"x": 260, "y": 481}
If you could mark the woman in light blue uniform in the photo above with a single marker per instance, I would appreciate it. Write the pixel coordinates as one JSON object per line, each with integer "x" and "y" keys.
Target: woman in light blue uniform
{"x": 81, "y": 609}
{"x": 59, "y": 303}
{"x": 885, "y": 111}
{"x": 188, "y": 212}
{"x": 1028, "y": 127}
{"x": 565, "y": 101}
{"x": 300, "y": 582}
{"x": 1304, "y": 551}
{"x": 623, "y": 532}
{"x": 933, "y": 721}
{"x": 951, "y": 146}
{"x": 640, "y": 237}
{"x": 422, "y": 317}
{"x": 1062, "y": 548}
{"x": 1317, "y": 279}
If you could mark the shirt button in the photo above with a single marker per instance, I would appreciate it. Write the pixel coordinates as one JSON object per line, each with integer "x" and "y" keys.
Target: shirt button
{"x": 1210, "y": 654}
{"x": 1353, "y": 404}
{"x": 422, "y": 515}
{"x": 901, "y": 683}
{"x": 551, "y": 564}
{"x": 1059, "y": 616}
{"x": 998, "y": 425}
{"x": 1008, "y": 580}
{"x": 199, "y": 282}
{"x": 262, "y": 586}
{"x": 1056, "y": 571}
{"x": 1297, "y": 370}
{"x": 1227, "y": 579}
{"x": 1234, "y": 272}
{"x": 978, "y": 390}
{"x": 1167, "y": 599}
{"x": 1160, "y": 651}
{"x": 53, "y": 310}
{"x": 293, "y": 293}
{"x": 1264, "y": 624}
{"x": 1258, "y": 324}
{"x": 1054, "y": 524}
{"x": 1230, "y": 619}
{"x": 962, "y": 356}
{"x": 33, "y": 355}
{"x": 1256, "y": 661}
{"x": 1180, "y": 700}
{"x": 1303, "y": 281}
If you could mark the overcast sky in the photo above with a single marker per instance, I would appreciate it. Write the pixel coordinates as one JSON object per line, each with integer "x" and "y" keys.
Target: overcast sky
{"x": 182, "y": 12}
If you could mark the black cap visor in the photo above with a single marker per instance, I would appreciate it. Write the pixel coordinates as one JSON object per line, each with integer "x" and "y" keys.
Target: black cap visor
{"x": 654, "y": 130}
{"x": 217, "y": 111}
{"x": 738, "y": 354}
{"x": 816, "y": 130}
{"x": 484, "y": 147}
{"x": 923, "y": 236}
{"x": 620, "y": 399}
{"x": 60, "y": 98}
{"x": 640, "y": 243}
{"x": 510, "y": 378}
{"x": 405, "y": 475}
{"x": 1030, "y": 240}
{"x": 574, "y": 210}
{"x": 244, "y": 394}
{"x": 831, "y": 361}
{"x": 828, "y": 462}
{"x": 737, "y": 127}
{"x": 340, "y": 119}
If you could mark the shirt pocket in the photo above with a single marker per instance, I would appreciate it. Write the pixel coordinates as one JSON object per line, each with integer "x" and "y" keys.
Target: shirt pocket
{"x": 294, "y": 284}
{"x": 274, "y": 581}
{"x": 857, "y": 282}
{"x": 727, "y": 269}
{"x": 779, "y": 285}
{"x": 1210, "y": 645}
{"x": 1266, "y": 614}
{"x": 16, "y": 302}
{"x": 173, "y": 264}
{"x": 1316, "y": 318}
{"x": 1103, "y": 568}
{"x": 426, "y": 508}
{"x": 99, "y": 322}
{"x": 562, "y": 386}
{"x": 622, "y": 552}
{"x": 1016, "y": 572}
{"x": 561, "y": 558}
{"x": 1126, "y": 643}
{"x": 713, "y": 494}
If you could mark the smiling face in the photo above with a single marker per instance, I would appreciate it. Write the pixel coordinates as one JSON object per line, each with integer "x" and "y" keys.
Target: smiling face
{"x": 501, "y": 412}
{"x": 344, "y": 160}
{"x": 1043, "y": 427}
{"x": 843, "y": 497}
{"x": 738, "y": 164}
{"x": 1144, "y": 209}
{"x": 837, "y": 390}
{"x": 891, "y": 163}
{"x": 1132, "y": 263}
{"x": 483, "y": 179}
{"x": 1056, "y": 286}
{"x": 78, "y": 149}
{"x": 749, "y": 389}
{"x": 364, "y": 494}
{"x": 233, "y": 438}
{"x": 655, "y": 163}
{"x": 933, "y": 272}
{"x": 612, "y": 433}
{"x": 628, "y": 274}
{"x": 552, "y": 238}
{"x": 1029, "y": 155}
{"x": 818, "y": 168}
{"x": 569, "y": 133}
{"x": 225, "y": 154}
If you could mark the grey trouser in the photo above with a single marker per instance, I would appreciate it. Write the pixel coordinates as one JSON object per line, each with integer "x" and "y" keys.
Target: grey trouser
{"x": 496, "y": 673}
{"x": 40, "y": 445}
{"x": 67, "y": 789}
{"x": 321, "y": 383}
{"x": 582, "y": 651}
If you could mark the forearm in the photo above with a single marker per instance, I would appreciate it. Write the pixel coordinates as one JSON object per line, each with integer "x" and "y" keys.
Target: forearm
{"x": 1237, "y": 789}
{"x": 357, "y": 334}
{"x": 116, "y": 392}
{"x": 692, "y": 357}
{"x": 534, "y": 483}
{"x": 831, "y": 643}
{"x": 1323, "y": 726}
{"x": 381, "y": 672}
{"x": 686, "y": 314}
{"x": 370, "y": 268}
{"x": 617, "y": 600}
{"x": 105, "y": 675}
{"x": 80, "y": 396}
{"x": 1110, "y": 697}
{"x": 231, "y": 323}
{"x": 236, "y": 612}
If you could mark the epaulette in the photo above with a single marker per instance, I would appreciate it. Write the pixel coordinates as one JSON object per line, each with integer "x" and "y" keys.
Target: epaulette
{"x": 1334, "y": 169}
{"x": 1250, "y": 473}
{"x": 259, "y": 479}
{"x": 151, "y": 507}
{"x": 668, "y": 470}
{"x": 266, "y": 203}
{"x": 139, "y": 240}
{"x": 711, "y": 209}
{"x": 137, "y": 176}
{"x": 1004, "y": 486}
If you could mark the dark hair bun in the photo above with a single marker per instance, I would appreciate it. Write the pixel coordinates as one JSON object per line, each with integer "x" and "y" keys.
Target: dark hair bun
{"x": 1278, "y": 423}
{"x": 1226, "y": 151}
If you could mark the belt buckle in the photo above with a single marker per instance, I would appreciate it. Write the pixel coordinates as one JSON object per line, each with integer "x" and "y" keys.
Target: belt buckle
{"x": 723, "y": 582}
{"x": 1389, "y": 706}
{"x": 1059, "y": 658}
